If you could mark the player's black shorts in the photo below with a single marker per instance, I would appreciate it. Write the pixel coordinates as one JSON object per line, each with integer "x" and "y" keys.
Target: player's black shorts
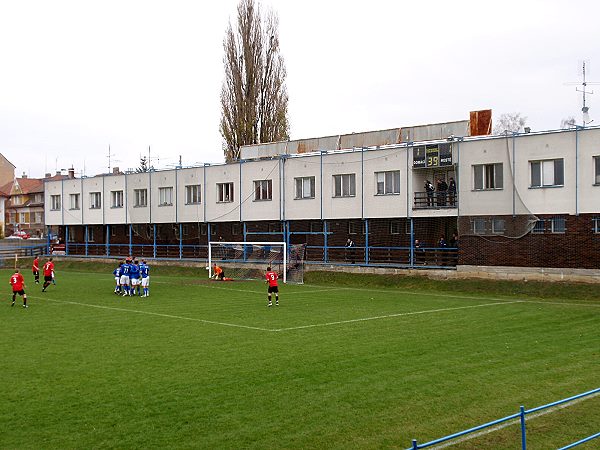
{"x": 21, "y": 292}
{"x": 273, "y": 289}
{"x": 47, "y": 277}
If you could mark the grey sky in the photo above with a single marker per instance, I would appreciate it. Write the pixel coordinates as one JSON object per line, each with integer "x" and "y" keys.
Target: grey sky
{"x": 78, "y": 75}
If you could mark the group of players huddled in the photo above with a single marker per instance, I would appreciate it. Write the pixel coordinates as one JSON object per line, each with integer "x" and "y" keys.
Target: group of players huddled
{"x": 130, "y": 276}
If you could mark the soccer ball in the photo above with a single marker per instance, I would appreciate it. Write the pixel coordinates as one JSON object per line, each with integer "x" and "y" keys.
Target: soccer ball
{"x": 207, "y": 268}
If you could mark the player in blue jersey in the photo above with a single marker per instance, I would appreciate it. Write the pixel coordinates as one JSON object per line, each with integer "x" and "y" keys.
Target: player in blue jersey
{"x": 117, "y": 274}
{"x": 134, "y": 277}
{"x": 125, "y": 267}
{"x": 145, "y": 272}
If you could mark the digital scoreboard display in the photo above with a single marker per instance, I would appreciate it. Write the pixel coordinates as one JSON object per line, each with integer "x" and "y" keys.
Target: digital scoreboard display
{"x": 433, "y": 155}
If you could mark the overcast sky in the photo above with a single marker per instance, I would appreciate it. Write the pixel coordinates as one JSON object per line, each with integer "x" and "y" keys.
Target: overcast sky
{"x": 78, "y": 76}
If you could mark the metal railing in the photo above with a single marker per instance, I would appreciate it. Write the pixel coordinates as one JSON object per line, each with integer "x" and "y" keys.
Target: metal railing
{"x": 435, "y": 200}
{"x": 521, "y": 415}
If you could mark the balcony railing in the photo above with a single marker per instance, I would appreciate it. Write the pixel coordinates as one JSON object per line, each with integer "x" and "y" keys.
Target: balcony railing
{"x": 435, "y": 200}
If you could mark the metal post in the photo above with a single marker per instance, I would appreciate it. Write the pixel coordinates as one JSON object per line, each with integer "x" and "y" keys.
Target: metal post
{"x": 523, "y": 430}
{"x": 245, "y": 231}
{"x": 180, "y": 241}
{"x": 130, "y": 239}
{"x": 325, "y": 249}
{"x": 86, "y": 240}
{"x": 49, "y": 241}
{"x": 107, "y": 240}
{"x": 366, "y": 241}
{"x": 66, "y": 240}
{"x": 415, "y": 446}
{"x": 154, "y": 240}
{"x": 412, "y": 243}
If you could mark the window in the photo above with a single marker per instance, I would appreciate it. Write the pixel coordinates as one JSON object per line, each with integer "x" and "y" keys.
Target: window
{"x": 316, "y": 227}
{"x": 597, "y": 170}
{"x": 344, "y": 185}
{"x": 387, "y": 183}
{"x": 498, "y": 226}
{"x": 140, "y": 198}
{"x": 22, "y": 218}
{"x": 17, "y": 200}
{"x": 305, "y": 187}
{"x": 596, "y": 225}
{"x": 95, "y": 200}
{"x": 487, "y": 176}
{"x": 165, "y": 196}
{"x": 71, "y": 234}
{"x": 479, "y": 226}
{"x": 74, "y": 201}
{"x": 55, "y": 202}
{"x": 38, "y": 198}
{"x": 117, "y": 199}
{"x": 539, "y": 227}
{"x": 39, "y": 217}
{"x": 192, "y": 194}
{"x": 558, "y": 225}
{"x": 90, "y": 234}
{"x": 224, "y": 192}
{"x": 547, "y": 173}
{"x": 275, "y": 227}
{"x": 263, "y": 190}
{"x": 395, "y": 227}
{"x": 236, "y": 228}
{"x": 203, "y": 229}
{"x": 12, "y": 217}
{"x": 356, "y": 228}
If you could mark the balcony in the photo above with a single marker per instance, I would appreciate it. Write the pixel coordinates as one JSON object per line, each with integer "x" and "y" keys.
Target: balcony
{"x": 435, "y": 200}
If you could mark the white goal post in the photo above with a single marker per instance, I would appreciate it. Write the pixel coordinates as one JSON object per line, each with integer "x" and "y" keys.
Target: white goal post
{"x": 248, "y": 260}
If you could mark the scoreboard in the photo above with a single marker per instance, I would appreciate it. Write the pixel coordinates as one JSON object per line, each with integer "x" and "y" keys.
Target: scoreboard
{"x": 432, "y": 155}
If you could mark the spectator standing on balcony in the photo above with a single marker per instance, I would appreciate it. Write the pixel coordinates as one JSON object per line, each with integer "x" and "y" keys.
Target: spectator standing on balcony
{"x": 442, "y": 189}
{"x": 452, "y": 192}
{"x": 429, "y": 189}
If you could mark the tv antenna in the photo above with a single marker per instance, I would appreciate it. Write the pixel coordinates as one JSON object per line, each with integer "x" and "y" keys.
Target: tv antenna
{"x": 584, "y": 109}
{"x": 110, "y": 155}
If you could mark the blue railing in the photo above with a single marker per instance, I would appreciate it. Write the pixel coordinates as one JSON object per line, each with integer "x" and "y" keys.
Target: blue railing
{"x": 521, "y": 415}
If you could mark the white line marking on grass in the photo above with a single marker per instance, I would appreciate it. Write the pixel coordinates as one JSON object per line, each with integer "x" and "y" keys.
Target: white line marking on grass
{"x": 169, "y": 316}
{"x": 498, "y": 427}
{"x": 387, "y": 316}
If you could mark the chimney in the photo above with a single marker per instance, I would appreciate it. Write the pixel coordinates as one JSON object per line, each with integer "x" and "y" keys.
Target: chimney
{"x": 58, "y": 172}
{"x": 24, "y": 175}
{"x": 71, "y": 173}
{"x": 48, "y": 175}
{"x": 115, "y": 170}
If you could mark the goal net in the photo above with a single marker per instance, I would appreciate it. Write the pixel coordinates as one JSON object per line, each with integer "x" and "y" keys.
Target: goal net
{"x": 249, "y": 260}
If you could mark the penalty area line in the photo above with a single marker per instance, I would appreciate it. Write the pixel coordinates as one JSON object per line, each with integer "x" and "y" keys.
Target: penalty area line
{"x": 149, "y": 313}
{"x": 387, "y": 316}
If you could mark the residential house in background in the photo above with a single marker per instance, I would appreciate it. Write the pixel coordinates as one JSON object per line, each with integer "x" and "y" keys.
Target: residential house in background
{"x": 24, "y": 204}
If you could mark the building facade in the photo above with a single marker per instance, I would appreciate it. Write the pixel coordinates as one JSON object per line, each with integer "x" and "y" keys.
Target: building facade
{"x": 515, "y": 200}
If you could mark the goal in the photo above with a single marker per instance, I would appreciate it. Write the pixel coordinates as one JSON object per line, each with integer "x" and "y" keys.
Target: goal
{"x": 249, "y": 260}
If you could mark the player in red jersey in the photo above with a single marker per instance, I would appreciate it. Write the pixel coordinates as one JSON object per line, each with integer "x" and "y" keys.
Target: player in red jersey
{"x": 35, "y": 268}
{"x": 48, "y": 274}
{"x": 18, "y": 287}
{"x": 271, "y": 277}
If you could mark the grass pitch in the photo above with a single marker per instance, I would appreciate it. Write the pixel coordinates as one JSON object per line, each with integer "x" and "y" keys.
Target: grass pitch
{"x": 343, "y": 362}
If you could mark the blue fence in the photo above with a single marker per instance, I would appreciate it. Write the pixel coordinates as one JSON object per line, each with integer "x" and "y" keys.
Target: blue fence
{"x": 521, "y": 415}
{"x": 403, "y": 257}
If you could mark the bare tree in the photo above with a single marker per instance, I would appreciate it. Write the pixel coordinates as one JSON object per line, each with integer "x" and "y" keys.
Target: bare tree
{"x": 510, "y": 122}
{"x": 254, "y": 99}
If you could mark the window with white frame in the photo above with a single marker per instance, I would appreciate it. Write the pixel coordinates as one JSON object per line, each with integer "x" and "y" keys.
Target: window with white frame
{"x": 395, "y": 227}
{"x": 305, "y": 187}
{"x": 165, "y": 196}
{"x": 479, "y": 226}
{"x": 549, "y": 172}
{"x": 39, "y": 217}
{"x": 38, "y": 198}
{"x": 95, "y": 200}
{"x": 387, "y": 183}
{"x": 55, "y": 202}
{"x": 74, "y": 201}
{"x": 344, "y": 185}
{"x": 263, "y": 190}
{"x": 356, "y": 227}
{"x": 192, "y": 194}
{"x": 558, "y": 225}
{"x": 71, "y": 234}
{"x": 90, "y": 234}
{"x": 140, "y": 198}
{"x": 116, "y": 199}
{"x": 597, "y": 170}
{"x": 539, "y": 227}
{"x": 224, "y": 192}
{"x": 487, "y": 176}
{"x": 22, "y": 218}
{"x": 17, "y": 200}
{"x": 498, "y": 226}
{"x": 596, "y": 225}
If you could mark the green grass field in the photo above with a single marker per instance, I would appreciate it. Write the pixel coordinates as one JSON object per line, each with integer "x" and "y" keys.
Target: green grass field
{"x": 346, "y": 361}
